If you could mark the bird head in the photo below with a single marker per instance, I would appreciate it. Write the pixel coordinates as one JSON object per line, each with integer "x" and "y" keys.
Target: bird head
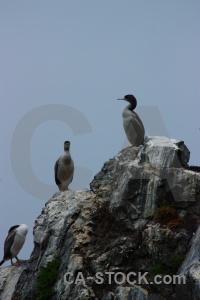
{"x": 66, "y": 145}
{"x": 128, "y": 98}
{"x": 131, "y": 99}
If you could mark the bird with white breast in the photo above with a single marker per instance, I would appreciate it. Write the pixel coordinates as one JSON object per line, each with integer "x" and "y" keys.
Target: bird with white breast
{"x": 64, "y": 168}
{"x": 14, "y": 242}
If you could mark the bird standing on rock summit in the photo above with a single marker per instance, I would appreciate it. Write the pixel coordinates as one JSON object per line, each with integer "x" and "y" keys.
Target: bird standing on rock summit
{"x": 133, "y": 125}
{"x": 64, "y": 169}
{"x": 14, "y": 242}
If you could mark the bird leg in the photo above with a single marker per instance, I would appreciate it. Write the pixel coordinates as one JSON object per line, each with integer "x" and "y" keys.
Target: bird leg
{"x": 19, "y": 260}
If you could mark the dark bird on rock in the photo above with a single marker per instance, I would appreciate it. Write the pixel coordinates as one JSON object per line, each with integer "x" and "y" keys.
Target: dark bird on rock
{"x": 133, "y": 125}
{"x": 14, "y": 242}
{"x": 64, "y": 169}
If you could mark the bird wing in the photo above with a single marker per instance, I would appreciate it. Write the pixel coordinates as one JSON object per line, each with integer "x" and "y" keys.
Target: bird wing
{"x": 72, "y": 171}
{"x": 138, "y": 120}
{"x": 56, "y": 172}
{"x": 8, "y": 243}
{"x": 134, "y": 131}
{"x": 12, "y": 228}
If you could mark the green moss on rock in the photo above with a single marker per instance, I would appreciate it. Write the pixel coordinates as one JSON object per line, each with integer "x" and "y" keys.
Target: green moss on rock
{"x": 46, "y": 279}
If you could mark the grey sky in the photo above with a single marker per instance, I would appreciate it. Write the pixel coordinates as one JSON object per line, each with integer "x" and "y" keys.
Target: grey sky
{"x": 85, "y": 55}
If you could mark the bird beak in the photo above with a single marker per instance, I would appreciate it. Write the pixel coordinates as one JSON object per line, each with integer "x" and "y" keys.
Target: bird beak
{"x": 120, "y": 99}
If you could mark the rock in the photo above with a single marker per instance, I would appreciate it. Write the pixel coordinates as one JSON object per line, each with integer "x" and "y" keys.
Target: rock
{"x": 138, "y": 218}
{"x": 108, "y": 296}
{"x": 8, "y": 279}
{"x": 157, "y": 240}
{"x": 135, "y": 293}
{"x": 61, "y": 231}
{"x": 138, "y": 183}
{"x": 162, "y": 152}
{"x": 191, "y": 270}
{"x": 154, "y": 297}
{"x": 82, "y": 292}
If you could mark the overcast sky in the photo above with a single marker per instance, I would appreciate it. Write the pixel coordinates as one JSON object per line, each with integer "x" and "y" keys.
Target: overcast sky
{"x": 63, "y": 64}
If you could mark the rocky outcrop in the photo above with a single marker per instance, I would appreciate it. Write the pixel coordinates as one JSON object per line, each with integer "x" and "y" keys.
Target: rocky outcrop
{"x": 191, "y": 270}
{"x": 8, "y": 279}
{"x": 127, "y": 236}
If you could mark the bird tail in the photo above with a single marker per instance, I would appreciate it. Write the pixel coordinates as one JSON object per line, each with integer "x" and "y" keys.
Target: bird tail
{"x": 1, "y": 263}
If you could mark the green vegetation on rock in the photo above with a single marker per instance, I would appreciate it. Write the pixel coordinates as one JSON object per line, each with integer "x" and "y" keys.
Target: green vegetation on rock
{"x": 46, "y": 279}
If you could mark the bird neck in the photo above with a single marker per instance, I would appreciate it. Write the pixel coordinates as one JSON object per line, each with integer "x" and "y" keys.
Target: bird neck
{"x": 66, "y": 152}
{"x": 66, "y": 156}
{"x": 132, "y": 105}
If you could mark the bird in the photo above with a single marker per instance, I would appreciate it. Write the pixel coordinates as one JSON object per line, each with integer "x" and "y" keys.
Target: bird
{"x": 132, "y": 123}
{"x": 64, "y": 168}
{"x": 14, "y": 242}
